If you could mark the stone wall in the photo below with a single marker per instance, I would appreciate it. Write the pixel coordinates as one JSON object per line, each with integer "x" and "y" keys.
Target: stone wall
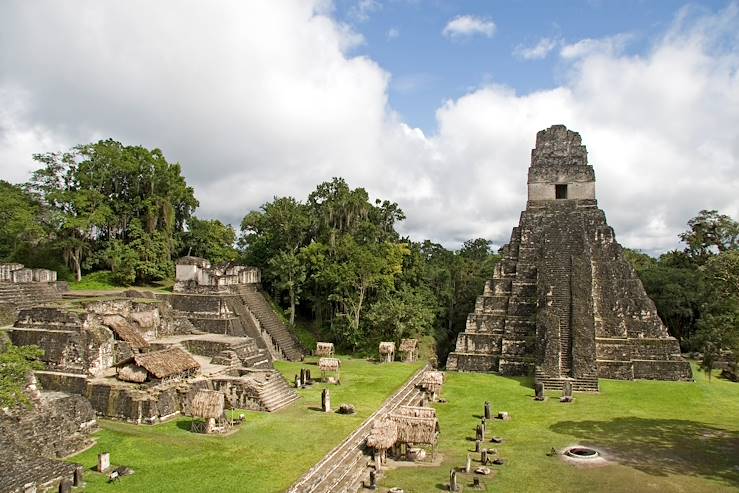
{"x": 59, "y": 425}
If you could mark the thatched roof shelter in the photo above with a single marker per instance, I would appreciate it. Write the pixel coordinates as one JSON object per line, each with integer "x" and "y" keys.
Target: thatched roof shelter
{"x": 384, "y": 434}
{"x": 132, "y": 373}
{"x": 329, "y": 364}
{"x": 387, "y": 347}
{"x": 125, "y": 331}
{"x": 415, "y": 411}
{"x": 407, "y": 345}
{"x": 167, "y": 362}
{"x": 432, "y": 381}
{"x": 207, "y": 404}
{"x": 324, "y": 349}
{"x": 416, "y": 430}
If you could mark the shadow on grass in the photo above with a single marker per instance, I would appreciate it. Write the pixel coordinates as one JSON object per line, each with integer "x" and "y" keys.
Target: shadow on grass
{"x": 661, "y": 447}
{"x": 186, "y": 424}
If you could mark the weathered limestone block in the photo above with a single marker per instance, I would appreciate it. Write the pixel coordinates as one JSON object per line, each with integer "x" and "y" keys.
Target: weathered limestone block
{"x": 21, "y": 276}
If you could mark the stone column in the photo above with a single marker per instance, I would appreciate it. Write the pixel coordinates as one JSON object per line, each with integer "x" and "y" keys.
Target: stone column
{"x": 468, "y": 464}
{"x": 326, "y": 401}
{"x": 488, "y": 412}
{"x": 103, "y": 461}
{"x": 453, "y": 486}
{"x": 539, "y": 390}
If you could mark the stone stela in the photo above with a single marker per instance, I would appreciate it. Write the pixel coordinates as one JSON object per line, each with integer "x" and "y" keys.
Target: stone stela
{"x": 564, "y": 302}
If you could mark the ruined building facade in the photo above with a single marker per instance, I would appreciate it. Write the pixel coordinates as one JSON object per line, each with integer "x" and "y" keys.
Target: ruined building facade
{"x": 564, "y": 302}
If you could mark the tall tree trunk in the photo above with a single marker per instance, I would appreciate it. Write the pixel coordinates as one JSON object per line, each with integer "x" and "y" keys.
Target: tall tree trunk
{"x": 77, "y": 269}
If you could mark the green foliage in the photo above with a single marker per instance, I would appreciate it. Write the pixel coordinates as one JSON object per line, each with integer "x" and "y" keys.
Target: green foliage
{"x": 114, "y": 206}
{"x": 19, "y": 221}
{"x": 210, "y": 239}
{"x": 338, "y": 259}
{"x": 16, "y": 364}
{"x": 401, "y": 314}
{"x": 95, "y": 281}
{"x": 696, "y": 291}
{"x": 710, "y": 232}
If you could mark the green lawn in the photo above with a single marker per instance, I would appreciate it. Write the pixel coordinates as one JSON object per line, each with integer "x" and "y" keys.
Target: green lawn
{"x": 662, "y": 436}
{"x": 268, "y": 453}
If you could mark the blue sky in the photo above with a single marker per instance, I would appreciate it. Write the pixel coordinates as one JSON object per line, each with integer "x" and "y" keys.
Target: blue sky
{"x": 405, "y": 38}
{"x": 434, "y": 105}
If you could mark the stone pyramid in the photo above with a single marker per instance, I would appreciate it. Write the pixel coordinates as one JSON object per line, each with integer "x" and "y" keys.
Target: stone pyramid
{"x": 564, "y": 302}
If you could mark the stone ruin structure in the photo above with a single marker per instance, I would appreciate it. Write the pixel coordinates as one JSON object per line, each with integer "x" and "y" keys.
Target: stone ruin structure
{"x": 21, "y": 287}
{"x": 563, "y": 301}
{"x": 137, "y": 359}
{"x": 58, "y": 425}
{"x": 228, "y": 300}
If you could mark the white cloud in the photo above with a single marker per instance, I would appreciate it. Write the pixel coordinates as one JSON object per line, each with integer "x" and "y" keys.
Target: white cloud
{"x": 468, "y": 25}
{"x": 612, "y": 45}
{"x": 362, "y": 10}
{"x": 265, "y": 100}
{"x": 392, "y": 33}
{"x": 537, "y": 52}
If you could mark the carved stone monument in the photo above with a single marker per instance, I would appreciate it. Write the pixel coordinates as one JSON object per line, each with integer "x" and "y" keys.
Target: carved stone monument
{"x": 564, "y": 302}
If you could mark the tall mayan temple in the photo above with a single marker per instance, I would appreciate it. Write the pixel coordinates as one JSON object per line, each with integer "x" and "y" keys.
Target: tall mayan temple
{"x": 564, "y": 302}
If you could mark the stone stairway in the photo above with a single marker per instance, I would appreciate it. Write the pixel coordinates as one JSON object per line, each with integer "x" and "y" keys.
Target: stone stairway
{"x": 275, "y": 393}
{"x": 251, "y": 326}
{"x": 17, "y": 296}
{"x": 283, "y": 339}
{"x": 341, "y": 469}
{"x": 580, "y": 384}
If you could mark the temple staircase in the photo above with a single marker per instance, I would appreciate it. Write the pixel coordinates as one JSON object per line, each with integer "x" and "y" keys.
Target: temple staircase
{"x": 275, "y": 393}
{"x": 283, "y": 339}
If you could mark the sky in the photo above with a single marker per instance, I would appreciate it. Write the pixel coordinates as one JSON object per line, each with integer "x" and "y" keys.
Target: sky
{"x": 431, "y": 104}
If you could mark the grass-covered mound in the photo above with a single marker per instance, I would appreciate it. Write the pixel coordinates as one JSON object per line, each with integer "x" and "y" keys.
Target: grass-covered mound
{"x": 663, "y": 436}
{"x": 267, "y": 454}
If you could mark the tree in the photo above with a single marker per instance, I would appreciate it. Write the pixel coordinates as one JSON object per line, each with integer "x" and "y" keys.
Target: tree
{"x": 710, "y": 233}
{"x": 16, "y": 364}
{"x": 289, "y": 272}
{"x": 19, "y": 221}
{"x": 105, "y": 196}
{"x": 282, "y": 225}
{"x": 401, "y": 314}
{"x": 357, "y": 270}
{"x": 210, "y": 239}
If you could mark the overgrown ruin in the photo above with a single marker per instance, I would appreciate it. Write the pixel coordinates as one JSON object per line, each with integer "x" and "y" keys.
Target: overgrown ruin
{"x": 21, "y": 287}
{"x": 564, "y": 302}
{"x": 143, "y": 356}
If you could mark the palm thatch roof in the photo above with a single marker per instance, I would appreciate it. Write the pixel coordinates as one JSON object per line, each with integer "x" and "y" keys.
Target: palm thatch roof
{"x": 329, "y": 364}
{"x": 407, "y": 345}
{"x": 416, "y": 430}
{"x": 167, "y": 362}
{"x": 207, "y": 404}
{"x": 383, "y": 435}
{"x": 324, "y": 348}
{"x": 432, "y": 380}
{"x": 125, "y": 331}
{"x": 416, "y": 411}
{"x": 132, "y": 373}
{"x": 387, "y": 347}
